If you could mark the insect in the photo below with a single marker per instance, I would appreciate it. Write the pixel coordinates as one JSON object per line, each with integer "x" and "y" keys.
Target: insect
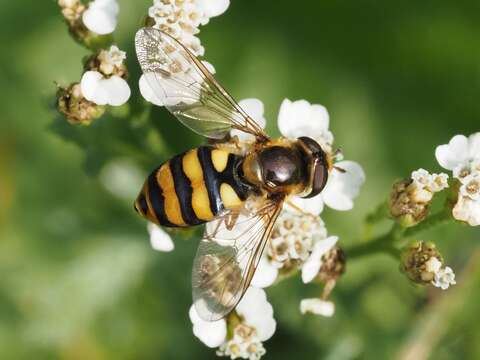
{"x": 237, "y": 189}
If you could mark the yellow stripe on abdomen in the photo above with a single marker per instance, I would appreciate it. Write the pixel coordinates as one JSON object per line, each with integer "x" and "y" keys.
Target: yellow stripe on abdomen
{"x": 220, "y": 159}
{"x": 200, "y": 200}
{"x": 229, "y": 197}
{"x": 172, "y": 204}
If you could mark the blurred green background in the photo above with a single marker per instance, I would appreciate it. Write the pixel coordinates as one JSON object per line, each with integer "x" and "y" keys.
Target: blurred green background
{"x": 78, "y": 279}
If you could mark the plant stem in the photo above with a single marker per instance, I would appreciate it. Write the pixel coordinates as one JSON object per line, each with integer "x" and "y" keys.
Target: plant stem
{"x": 386, "y": 243}
{"x": 377, "y": 215}
{"x": 380, "y": 213}
{"x": 442, "y": 217}
{"x": 383, "y": 243}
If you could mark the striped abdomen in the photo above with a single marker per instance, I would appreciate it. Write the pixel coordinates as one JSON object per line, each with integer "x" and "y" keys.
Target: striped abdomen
{"x": 192, "y": 188}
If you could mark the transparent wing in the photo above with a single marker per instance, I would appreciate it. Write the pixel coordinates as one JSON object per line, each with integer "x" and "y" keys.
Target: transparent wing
{"x": 182, "y": 83}
{"x": 227, "y": 258}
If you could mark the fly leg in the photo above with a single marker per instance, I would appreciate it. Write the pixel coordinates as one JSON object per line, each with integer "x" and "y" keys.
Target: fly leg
{"x": 301, "y": 211}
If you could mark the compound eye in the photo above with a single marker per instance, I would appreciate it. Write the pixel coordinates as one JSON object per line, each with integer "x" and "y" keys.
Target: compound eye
{"x": 311, "y": 144}
{"x": 320, "y": 177}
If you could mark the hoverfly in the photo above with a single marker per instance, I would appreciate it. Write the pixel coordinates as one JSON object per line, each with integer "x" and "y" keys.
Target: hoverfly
{"x": 238, "y": 191}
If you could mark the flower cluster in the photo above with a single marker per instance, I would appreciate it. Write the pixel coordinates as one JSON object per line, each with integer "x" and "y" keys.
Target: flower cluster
{"x": 410, "y": 199}
{"x": 182, "y": 18}
{"x": 462, "y": 156}
{"x": 241, "y": 334}
{"x": 89, "y": 24}
{"x": 104, "y": 81}
{"x": 423, "y": 264}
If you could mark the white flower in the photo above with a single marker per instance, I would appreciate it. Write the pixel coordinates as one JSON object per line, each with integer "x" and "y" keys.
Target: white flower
{"x": 255, "y": 109}
{"x": 214, "y": 8}
{"x": 462, "y": 156}
{"x": 312, "y": 266}
{"x": 101, "y": 16}
{"x": 460, "y": 153}
{"x": 294, "y": 237}
{"x": 422, "y": 177}
{"x": 111, "y": 59}
{"x": 181, "y": 19}
{"x": 159, "y": 238}
{"x": 433, "y": 265}
{"x": 252, "y": 324}
{"x": 257, "y": 312}
{"x": 444, "y": 278}
{"x": 437, "y": 275}
{"x": 300, "y": 118}
{"x": 211, "y": 333}
{"x": 423, "y": 180}
{"x": 439, "y": 182}
{"x": 471, "y": 187}
{"x": 257, "y": 325}
{"x": 467, "y": 210}
{"x": 296, "y": 241}
{"x": 342, "y": 187}
{"x": 266, "y": 273}
{"x": 424, "y": 185}
{"x": 317, "y": 307}
{"x": 104, "y": 91}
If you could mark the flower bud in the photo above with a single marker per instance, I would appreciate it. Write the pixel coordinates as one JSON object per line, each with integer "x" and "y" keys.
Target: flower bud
{"x": 72, "y": 11}
{"x": 77, "y": 109}
{"x": 333, "y": 265}
{"x": 409, "y": 203}
{"x": 108, "y": 62}
{"x": 421, "y": 262}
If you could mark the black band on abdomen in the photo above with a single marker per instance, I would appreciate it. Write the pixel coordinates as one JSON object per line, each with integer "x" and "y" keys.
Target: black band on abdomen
{"x": 183, "y": 189}
{"x": 210, "y": 177}
{"x": 157, "y": 200}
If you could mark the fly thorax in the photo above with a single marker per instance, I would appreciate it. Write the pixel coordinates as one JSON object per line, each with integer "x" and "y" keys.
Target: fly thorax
{"x": 276, "y": 169}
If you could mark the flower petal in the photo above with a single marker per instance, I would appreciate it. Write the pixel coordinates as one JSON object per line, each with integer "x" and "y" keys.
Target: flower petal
{"x": 312, "y": 266}
{"x": 257, "y": 312}
{"x": 474, "y": 146}
{"x": 467, "y": 210}
{"x": 159, "y": 238}
{"x": 255, "y": 109}
{"x": 341, "y": 187}
{"x": 300, "y": 118}
{"x": 147, "y": 92}
{"x": 317, "y": 306}
{"x": 101, "y": 16}
{"x": 214, "y": 8}
{"x": 211, "y": 333}
{"x": 453, "y": 154}
{"x": 112, "y": 91}
{"x": 91, "y": 89}
{"x": 312, "y": 205}
{"x": 265, "y": 275}
{"x": 209, "y": 66}
{"x": 117, "y": 89}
